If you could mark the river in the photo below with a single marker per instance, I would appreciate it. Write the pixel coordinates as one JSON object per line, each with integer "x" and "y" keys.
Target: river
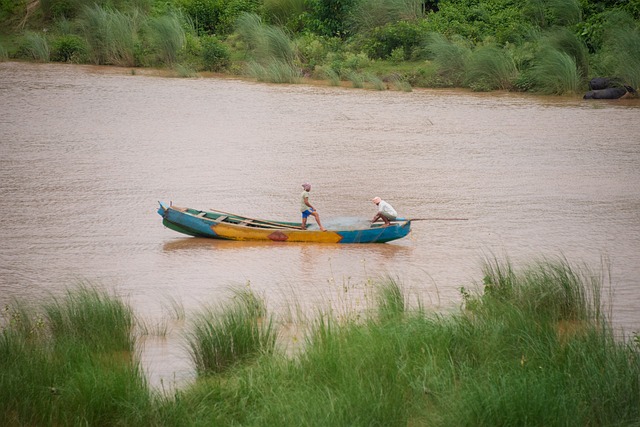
{"x": 87, "y": 152}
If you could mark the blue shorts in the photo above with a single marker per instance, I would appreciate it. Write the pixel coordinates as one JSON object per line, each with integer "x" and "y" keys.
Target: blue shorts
{"x": 308, "y": 212}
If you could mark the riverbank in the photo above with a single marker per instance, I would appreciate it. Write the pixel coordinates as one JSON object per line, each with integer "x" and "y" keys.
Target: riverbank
{"x": 555, "y": 50}
{"x": 533, "y": 346}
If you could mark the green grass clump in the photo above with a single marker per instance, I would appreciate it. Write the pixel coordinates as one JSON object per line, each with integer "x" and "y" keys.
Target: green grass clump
{"x": 555, "y": 72}
{"x": 93, "y": 318}
{"x": 35, "y": 46}
{"x": 450, "y": 58}
{"x": 167, "y": 37}
{"x": 357, "y": 79}
{"x": 375, "y": 82}
{"x": 490, "y": 68}
{"x": 273, "y": 55}
{"x": 219, "y": 340}
{"x": 112, "y": 35}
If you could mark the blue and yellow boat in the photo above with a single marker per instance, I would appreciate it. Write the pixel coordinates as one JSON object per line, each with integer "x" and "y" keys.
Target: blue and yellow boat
{"x": 223, "y": 225}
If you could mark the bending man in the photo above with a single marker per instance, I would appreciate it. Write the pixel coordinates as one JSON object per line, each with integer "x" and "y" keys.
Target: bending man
{"x": 385, "y": 211}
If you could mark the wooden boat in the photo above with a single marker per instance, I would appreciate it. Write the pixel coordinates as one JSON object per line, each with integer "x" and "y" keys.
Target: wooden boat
{"x": 223, "y": 225}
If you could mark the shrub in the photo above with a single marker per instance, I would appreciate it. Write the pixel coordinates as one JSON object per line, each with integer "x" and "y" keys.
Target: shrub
{"x": 315, "y": 49}
{"x": 367, "y": 15}
{"x": 215, "y": 54}
{"x": 475, "y": 20}
{"x": 69, "y": 48}
{"x": 382, "y": 41}
{"x": 548, "y": 13}
{"x": 329, "y": 17}
{"x": 285, "y": 13}
{"x": 216, "y": 16}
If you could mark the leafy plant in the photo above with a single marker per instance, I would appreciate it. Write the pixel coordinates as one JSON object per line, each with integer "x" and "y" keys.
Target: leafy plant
{"x": 215, "y": 54}
{"x": 69, "y": 48}
{"x": 382, "y": 41}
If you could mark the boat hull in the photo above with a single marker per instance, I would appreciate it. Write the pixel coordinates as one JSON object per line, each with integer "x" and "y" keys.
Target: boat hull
{"x": 217, "y": 225}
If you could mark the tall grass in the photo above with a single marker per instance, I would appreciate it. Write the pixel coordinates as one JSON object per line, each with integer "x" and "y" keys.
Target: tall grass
{"x": 36, "y": 46}
{"x": 535, "y": 347}
{"x": 490, "y": 68}
{"x": 111, "y": 34}
{"x": 70, "y": 363}
{"x": 568, "y": 42}
{"x": 272, "y": 51}
{"x": 621, "y": 51}
{"x": 375, "y": 81}
{"x": 531, "y": 346}
{"x": 329, "y": 74}
{"x": 357, "y": 79}
{"x": 274, "y": 71}
{"x": 167, "y": 36}
{"x": 94, "y": 318}
{"x": 450, "y": 58}
{"x": 218, "y": 340}
{"x": 555, "y": 72}
{"x": 400, "y": 83}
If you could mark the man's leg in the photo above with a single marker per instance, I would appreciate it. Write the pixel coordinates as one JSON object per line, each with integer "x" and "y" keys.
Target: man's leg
{"x": 317, "y": 217}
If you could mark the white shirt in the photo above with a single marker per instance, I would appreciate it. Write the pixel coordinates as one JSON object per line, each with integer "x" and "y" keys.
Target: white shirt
{"x": 386, "y": 209}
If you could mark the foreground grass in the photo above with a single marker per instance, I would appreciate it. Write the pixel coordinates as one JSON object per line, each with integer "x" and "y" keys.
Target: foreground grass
{"x": 530, "y": 348}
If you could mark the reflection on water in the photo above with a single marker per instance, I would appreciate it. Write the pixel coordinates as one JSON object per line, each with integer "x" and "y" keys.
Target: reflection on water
{"x": 198, "y": 243}
{"x": 87, "y": 152}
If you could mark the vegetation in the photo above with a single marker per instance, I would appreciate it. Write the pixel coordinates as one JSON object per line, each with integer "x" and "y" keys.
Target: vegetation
{"x": 533, "y": 347}
{"x": 545, "y": 46}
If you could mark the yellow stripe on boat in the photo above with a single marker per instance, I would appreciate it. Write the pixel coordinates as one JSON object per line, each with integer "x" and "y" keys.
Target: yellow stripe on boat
{"x": 235, "y": 232}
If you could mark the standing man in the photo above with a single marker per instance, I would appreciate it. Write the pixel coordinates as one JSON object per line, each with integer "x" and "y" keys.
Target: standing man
{"x": 307, "y": 209}
{"x": 385, "y": 211}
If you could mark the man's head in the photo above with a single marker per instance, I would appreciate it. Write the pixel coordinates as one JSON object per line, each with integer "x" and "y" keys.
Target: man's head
{"x": 376, "y": 200}
{"x": 306, "y": 186}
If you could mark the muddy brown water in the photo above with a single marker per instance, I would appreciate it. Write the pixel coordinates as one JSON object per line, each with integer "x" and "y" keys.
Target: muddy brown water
{"x": 86, "y": 153}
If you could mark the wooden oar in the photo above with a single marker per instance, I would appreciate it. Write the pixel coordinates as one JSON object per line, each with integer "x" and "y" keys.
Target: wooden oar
{"x": 439, "y": 219}
{"x": 297, "y": 227}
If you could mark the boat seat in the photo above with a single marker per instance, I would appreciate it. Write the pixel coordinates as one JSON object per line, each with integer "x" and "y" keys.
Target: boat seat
{"x": 245, "y": 222}
{"x": 221, "y": 218}
{"x": 201, "y": 214}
